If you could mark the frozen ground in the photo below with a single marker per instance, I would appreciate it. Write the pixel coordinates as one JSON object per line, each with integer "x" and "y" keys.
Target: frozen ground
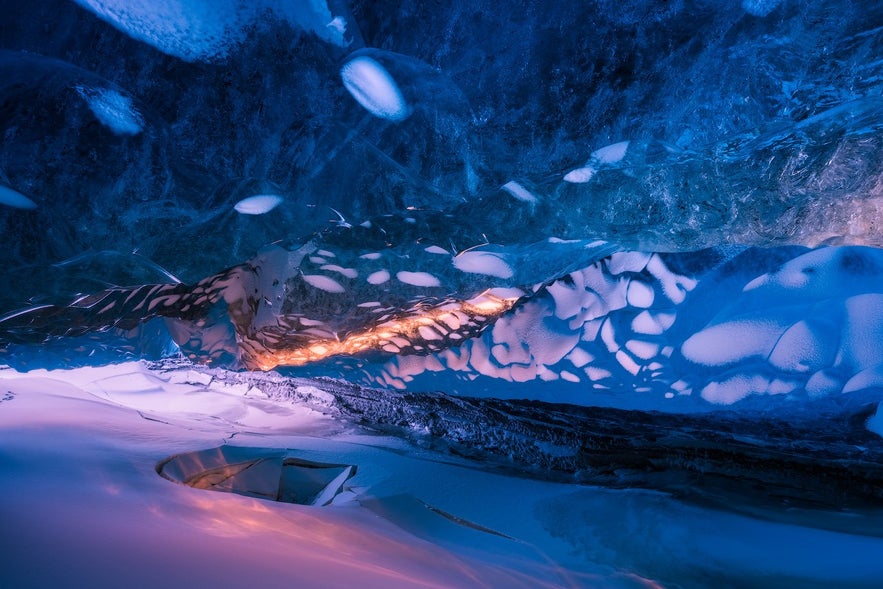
{"x": 82, "y": 504}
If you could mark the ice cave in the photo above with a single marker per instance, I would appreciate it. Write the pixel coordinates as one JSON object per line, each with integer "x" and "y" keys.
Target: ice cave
{"x": 348, "y": 293}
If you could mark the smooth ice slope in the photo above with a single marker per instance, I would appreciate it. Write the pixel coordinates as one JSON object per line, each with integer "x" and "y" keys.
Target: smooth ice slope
{"x": 406, "y": 519}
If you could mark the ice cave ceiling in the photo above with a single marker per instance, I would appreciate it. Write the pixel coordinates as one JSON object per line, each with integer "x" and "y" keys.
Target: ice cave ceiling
{"x": 586, "y": 202}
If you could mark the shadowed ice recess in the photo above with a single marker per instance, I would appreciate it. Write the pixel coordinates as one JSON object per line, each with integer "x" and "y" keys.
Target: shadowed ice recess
{"x": 449, "y": 216}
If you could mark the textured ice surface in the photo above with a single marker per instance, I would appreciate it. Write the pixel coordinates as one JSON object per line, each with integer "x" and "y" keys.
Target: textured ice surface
{"x": 410, "y": 516}
{"x": 665, "y": 210}
{"x": 201, "y": 29}
{"x": 372, "y": 86}
{"x": 113, "y": 109}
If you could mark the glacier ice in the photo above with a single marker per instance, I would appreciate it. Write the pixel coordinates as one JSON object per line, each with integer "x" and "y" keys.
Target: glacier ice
{"x": 15, "y": 199}
{"x": 372, "y": 86}
{"x": 257, "y": 204}
{"x": 673, "y": 216}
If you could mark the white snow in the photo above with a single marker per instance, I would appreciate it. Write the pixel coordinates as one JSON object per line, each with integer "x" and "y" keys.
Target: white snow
{"x": 418, "y": 278}
{"x": 79, "y": 452}
{"x": 374, "y": 88}
{"x": 114, "y": 110}
{"x": 486, "y": 263}
{"x": 78, "y": 456}
{"x": 15, "y": 199}
{"x": 434, "y": 249}
{"x": 323, "y": 283}
{"x": 519, "y": 192}
{"x": 257, "y": 204}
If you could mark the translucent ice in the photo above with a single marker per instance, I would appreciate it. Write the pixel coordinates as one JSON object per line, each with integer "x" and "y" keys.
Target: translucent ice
{"x": 258, "y": 204}
{"x": 372, "y": 86}
{"x": 15, "y": 199}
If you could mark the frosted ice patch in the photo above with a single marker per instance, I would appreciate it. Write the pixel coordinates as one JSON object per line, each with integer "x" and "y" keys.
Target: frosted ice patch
{"x": 486, "y": 263}
{"x": 113, "y": 110}
{"x": 338, "y": 24}
{"x": 760, "y": 7}
{"x": 323, "y": 283}
{"x": 580, "y": 175}
{"x": 639, "y": 294}
{"x": 519, "y": 192}
{"x": 646, "y": 324}
{"x": 207, "y": 29}
{"x": 418, "y": 278}
{"x": 642, "y": 349}
{"x": 806, "y": 346}
{"x": 371, "y": 256}
{"x": 733, "y": 341}
{"x": 621, "y": 262}
{"x": 736, "y": 388}
{"x": 257, "y": 204}
{"x": 605, "y": 156}
{"x": 434, "y": 249}
{"x": 15, "y": 199}
{"x": 611, "y": 154}
{"x": 348, "y": 272}
{"x": 378, "y": 277}
{"x": 374, "y": 88}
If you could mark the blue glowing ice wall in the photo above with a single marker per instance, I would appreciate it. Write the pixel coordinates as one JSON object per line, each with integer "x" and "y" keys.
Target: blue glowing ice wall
{"x": 592, "y": 202}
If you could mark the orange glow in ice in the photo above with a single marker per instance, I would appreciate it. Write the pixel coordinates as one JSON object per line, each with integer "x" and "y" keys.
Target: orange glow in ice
{"x": 395, "y": 334}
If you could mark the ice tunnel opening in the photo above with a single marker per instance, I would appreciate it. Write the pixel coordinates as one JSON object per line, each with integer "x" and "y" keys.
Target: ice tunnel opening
{"x": 263, "y": 473}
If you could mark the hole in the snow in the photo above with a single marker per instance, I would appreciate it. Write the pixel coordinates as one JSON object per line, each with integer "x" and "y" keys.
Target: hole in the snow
{"x": 265, "y": 473}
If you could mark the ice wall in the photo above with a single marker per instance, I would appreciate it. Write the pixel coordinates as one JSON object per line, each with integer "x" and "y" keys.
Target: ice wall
{"x": 165, "y": 143}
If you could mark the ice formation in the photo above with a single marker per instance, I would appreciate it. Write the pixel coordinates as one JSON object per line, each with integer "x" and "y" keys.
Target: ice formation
{"x": 258, "y": 204}
{"x": 208, "y": 30}
{"x": 15, "y": 199}
{"x": 645, "y": 257}
{"x": 372, "y": 86}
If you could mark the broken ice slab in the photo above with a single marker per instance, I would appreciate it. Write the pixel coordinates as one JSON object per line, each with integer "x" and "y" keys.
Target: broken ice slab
{"x": 265, "y": 473}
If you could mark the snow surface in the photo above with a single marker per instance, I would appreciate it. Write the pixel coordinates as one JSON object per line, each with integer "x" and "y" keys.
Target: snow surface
{"x": 79, "y": 450}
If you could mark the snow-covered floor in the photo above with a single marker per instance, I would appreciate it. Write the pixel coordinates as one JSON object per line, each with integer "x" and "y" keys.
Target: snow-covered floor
{"x": 81, "y": 504}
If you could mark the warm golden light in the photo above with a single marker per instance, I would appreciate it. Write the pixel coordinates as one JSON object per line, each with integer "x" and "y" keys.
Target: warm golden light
{"x": 423, "y": 331}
